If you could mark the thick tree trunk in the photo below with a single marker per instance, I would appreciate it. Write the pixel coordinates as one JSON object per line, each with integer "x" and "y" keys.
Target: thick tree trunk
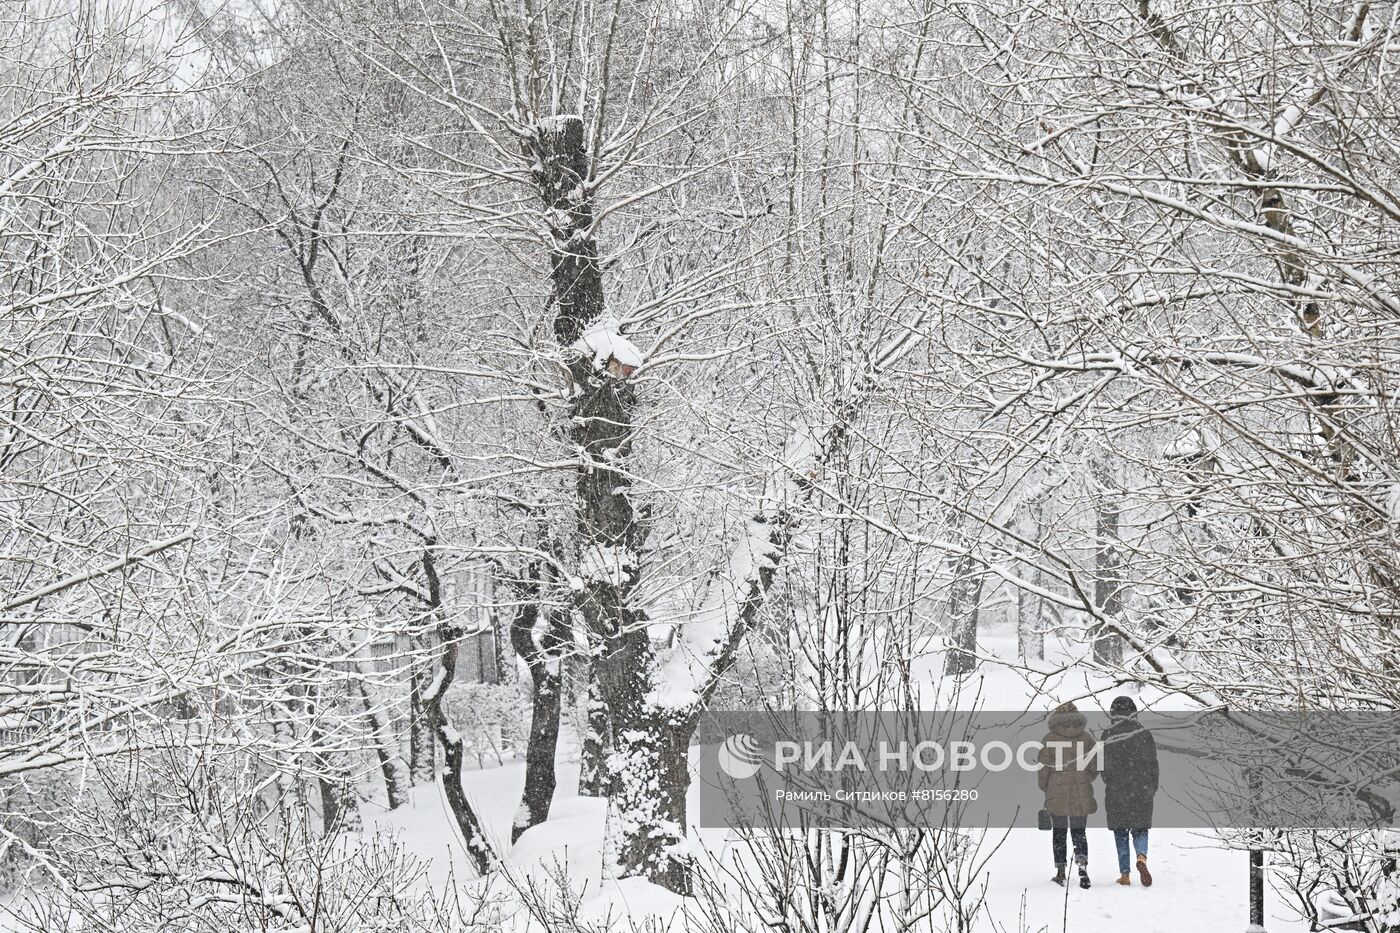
{"x": 648, "y": 770}
{"x": 562, "y": 173}
{"x": 646, "y": 821}
{"x": 647, "y": 753}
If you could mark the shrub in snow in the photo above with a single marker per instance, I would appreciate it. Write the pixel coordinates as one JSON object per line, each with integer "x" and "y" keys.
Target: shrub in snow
{"x": 493, "y": 720}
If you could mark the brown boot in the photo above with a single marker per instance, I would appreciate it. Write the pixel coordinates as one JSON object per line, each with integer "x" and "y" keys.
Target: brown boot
{"x": 1143, "y": 873}
{"x": 1059, "y": 874}
{"x": 1125, "y": 878}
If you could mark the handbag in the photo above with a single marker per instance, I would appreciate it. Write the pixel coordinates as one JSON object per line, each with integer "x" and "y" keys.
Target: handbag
{"x": 1042, "y": 819}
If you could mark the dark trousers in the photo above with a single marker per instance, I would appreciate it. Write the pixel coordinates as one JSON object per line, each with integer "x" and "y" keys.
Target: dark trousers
{"x": 1075, "y": 826}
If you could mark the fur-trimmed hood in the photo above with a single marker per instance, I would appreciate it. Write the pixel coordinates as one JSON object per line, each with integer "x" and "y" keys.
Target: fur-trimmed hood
{"x": 1067, "y": 721}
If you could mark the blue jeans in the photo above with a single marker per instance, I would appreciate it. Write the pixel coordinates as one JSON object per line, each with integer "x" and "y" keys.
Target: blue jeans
{"x": 1120, "y": 836}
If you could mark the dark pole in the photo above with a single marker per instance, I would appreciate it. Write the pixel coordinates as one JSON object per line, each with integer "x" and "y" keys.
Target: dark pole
{"x": 1256, "y": 891}
{"x": 1256, "y": 862}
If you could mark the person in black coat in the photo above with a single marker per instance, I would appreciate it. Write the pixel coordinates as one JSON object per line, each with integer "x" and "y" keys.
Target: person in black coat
{"x": 1130, "y": 783}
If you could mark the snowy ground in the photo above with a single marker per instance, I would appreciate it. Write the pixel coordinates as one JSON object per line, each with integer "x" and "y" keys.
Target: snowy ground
{"x": 1198, "y": 885}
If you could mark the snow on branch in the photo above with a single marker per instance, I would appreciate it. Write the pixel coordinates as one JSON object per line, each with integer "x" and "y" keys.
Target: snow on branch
{"x": 733, "y": 599}
{"x": 688, "y": 671}
{"x": 1309, "y": 375}
{"x": 605, "y": 346}
{"x": 103, "y": 570}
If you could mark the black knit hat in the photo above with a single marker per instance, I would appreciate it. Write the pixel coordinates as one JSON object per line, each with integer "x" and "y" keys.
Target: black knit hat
{"x": 1122, "y": 706}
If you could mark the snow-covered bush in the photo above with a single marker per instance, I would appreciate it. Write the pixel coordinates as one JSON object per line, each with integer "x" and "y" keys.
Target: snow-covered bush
{"x": 493, "y": 720}
{"x": 209, "y": 846}
{"x": 812, "y": 881}
{"x": 1340, "y": 879}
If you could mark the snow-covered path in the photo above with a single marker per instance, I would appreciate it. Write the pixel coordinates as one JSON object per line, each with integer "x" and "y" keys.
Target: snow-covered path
{"x": 1197, "y": 885}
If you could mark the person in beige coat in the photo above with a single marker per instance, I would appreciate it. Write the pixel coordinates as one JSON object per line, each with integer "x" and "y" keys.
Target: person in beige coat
{"x": 1068, "y": 767}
